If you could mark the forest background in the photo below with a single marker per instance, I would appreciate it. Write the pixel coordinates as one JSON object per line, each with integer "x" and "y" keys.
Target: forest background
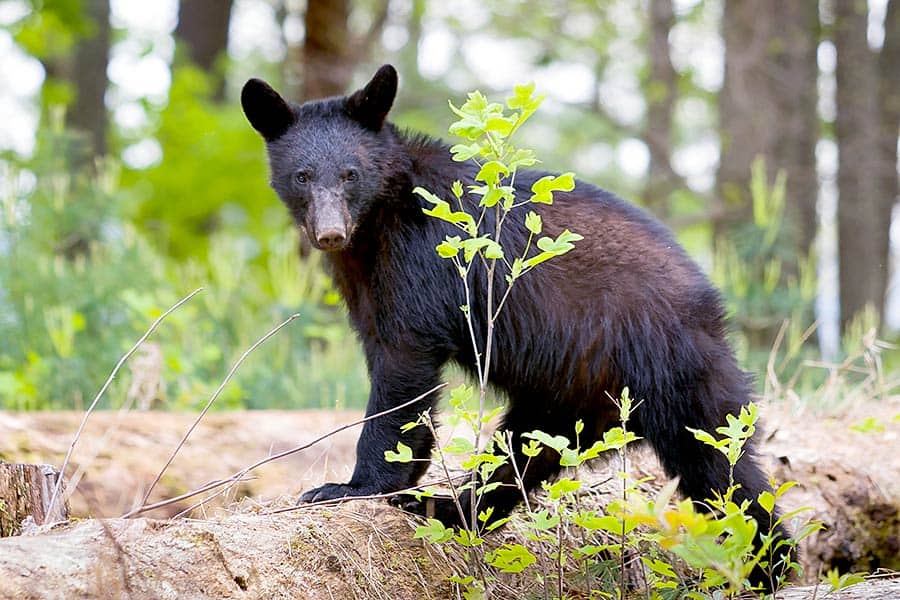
{"x": 765, "y": 133}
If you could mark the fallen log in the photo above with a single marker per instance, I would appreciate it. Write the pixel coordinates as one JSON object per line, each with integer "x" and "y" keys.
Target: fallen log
{"x": 359, "y": 550}
{"x": 26, "y": 491}
{"x": 872, "y": 589}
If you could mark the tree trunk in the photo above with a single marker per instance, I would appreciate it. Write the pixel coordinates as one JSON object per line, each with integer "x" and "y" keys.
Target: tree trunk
{"x": 203, "y": 28}
{"x": 889, "y": 75}
{"x": 746, "y": 105}
{"x": 88, "y": 75}
{"x": 768, "y": 108}
{"x": 794, "y": 86}
{"x": 326, "y": 57}
{"x": 660, "y": 91}
{"x": 26, "y": 491}
{"x": 864, "y": 207}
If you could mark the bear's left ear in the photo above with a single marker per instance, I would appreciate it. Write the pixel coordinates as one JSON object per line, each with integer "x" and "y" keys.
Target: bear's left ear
{"x": 266, "y": 110}
{"x": 370, "y": 105}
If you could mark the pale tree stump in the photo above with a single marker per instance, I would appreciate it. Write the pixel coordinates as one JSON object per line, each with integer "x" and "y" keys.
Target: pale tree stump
{"x": 25, "y": 491}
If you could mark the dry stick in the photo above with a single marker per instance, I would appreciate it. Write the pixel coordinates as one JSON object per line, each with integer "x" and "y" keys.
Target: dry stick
{"x": 346, "y": 498}
{"x": 237, "y": 476}
{"x": 213, "y": 398}
{"x": 93, "y": 405}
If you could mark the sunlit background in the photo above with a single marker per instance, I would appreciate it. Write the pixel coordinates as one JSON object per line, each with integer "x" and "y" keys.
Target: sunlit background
{"x": 180, "y": 197}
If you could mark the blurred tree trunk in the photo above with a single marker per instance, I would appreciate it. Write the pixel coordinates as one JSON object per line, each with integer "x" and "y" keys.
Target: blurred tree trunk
{"x": 203, "y": 28}
{"x": 864, "y": 206}
{"x": 745, "y": 105}
{"x": 324, "y": 64}
{"x": 327, "y": 61}
{"x": 88, "y": 77}
{"x": 794, "y": 81}
{"x": 660, "y": 91}
{"x": 889, "y": 75}
{"x": 767, "y": 108}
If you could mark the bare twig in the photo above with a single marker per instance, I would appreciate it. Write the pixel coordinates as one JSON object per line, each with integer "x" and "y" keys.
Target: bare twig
{"x": 240, "y": 474}
{"x": 346, "y": 498}
{"x": 93, "y": 405}
{"x": 213, "y": 398}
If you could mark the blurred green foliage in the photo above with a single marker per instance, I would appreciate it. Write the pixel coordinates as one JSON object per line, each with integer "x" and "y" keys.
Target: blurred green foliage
{"x": 212, "y": 177}
{"x": 79, "y": 284}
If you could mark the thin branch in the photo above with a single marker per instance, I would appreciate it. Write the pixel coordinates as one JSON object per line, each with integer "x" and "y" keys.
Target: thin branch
{"x": 102, "y": 391}
{"x": 240, "y": 474}
{"x": 213, "y": 398}
{"x": 346, "y": 498}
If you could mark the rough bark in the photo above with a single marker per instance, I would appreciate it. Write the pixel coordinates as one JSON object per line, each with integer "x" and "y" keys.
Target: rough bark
{"x": 746, "y": 104}
{"x": 363, "y": 550}
{"x": 794, "y": 87}
{"x": 325, "y": 58}
{"x": 889, "y": 77}
{"x": 660, "y": 92}
{"x": 203, "y": 28}
{"x": 768, "y": 108}
{"x": 88, "y": 76}
{"x": 26, "y": 491}
{"x": 874, "y": 589}
{"x": 864, "y": 207}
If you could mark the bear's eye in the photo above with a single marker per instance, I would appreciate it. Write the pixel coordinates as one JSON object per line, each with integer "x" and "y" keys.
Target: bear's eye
{"x": 301, "y": 177}
{"x": 351, "y": 175}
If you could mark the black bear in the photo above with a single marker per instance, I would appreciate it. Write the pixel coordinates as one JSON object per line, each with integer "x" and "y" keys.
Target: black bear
{"x": 626, "y": 307}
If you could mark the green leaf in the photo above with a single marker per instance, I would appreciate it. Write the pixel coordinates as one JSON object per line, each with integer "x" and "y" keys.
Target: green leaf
{"x": 543, "y": 521}
{"x": 533, "y": 222}
{"x": 521, "y": 158}
{"x": 502, "y": 126}
{"x": 544, "y": 187}
{"x": 435, "y": 532}
{"x": 517, "y": 267}
{"x": 460, "y": 396}
{"x": 557, "y": 442}
{"x": 569, "y": 458}
{"x": 552, "y": 248}
{"x": 494, "y": 195}
{"x": 449, "y": 247}
{"x": 491, "y": 172}
{"x": 457, "y": 188}
{"x": 402, "y": 455}
{"x": 463, "y": 152}
{"x": 443, "y": 211}
{"x": 459, "y": 445}
{"x": 531, "y": 449}
{"x": 493, "y": 250}
{"x": 511, "y": 558}
{"x": 767, "y": 501}
{"x": 562, "y": 487}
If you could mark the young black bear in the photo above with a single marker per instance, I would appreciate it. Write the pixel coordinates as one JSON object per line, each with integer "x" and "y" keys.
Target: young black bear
{"x": 626, "y": 307}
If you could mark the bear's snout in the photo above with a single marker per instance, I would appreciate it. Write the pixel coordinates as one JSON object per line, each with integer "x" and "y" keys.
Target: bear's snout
{"x": 328, "y": 220}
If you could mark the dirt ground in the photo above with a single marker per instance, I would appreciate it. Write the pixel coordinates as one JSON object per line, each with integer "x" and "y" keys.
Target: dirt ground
{"x": 119, "y": 455}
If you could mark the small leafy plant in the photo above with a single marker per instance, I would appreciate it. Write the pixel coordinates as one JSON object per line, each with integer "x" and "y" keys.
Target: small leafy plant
{"x": 570, "y": 545}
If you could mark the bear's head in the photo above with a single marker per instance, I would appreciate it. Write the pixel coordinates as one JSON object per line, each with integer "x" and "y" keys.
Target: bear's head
{"x": 329, "y": 159}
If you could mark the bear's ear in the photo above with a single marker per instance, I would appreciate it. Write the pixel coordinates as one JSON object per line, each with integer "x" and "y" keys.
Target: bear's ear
{"x": 370, "y": 105}
{"x": 266, "y": 110}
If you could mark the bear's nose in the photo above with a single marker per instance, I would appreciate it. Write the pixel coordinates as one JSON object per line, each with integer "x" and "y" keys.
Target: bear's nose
{"x": 331, "y": 239}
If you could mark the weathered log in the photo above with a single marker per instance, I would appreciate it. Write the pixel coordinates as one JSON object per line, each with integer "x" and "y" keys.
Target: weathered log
{"x": 26, "y": 491}
{"x": 359, "y": 550}
{"x": 873, "y": 589}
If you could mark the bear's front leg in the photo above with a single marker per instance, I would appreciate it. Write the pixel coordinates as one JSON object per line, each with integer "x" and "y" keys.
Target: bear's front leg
{"x": 396, "y": 378}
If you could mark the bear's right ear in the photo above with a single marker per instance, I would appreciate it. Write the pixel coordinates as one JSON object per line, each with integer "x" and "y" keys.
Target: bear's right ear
{"x": 370, "y": 105}
{"x": 266, "y": 110}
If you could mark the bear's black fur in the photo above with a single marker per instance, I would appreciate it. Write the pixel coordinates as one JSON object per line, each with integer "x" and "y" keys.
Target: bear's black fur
{"x": 626, "y": 307}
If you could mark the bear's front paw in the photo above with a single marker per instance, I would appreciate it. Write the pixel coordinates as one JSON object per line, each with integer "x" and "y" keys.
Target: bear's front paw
{"x": 332, "y": 491}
